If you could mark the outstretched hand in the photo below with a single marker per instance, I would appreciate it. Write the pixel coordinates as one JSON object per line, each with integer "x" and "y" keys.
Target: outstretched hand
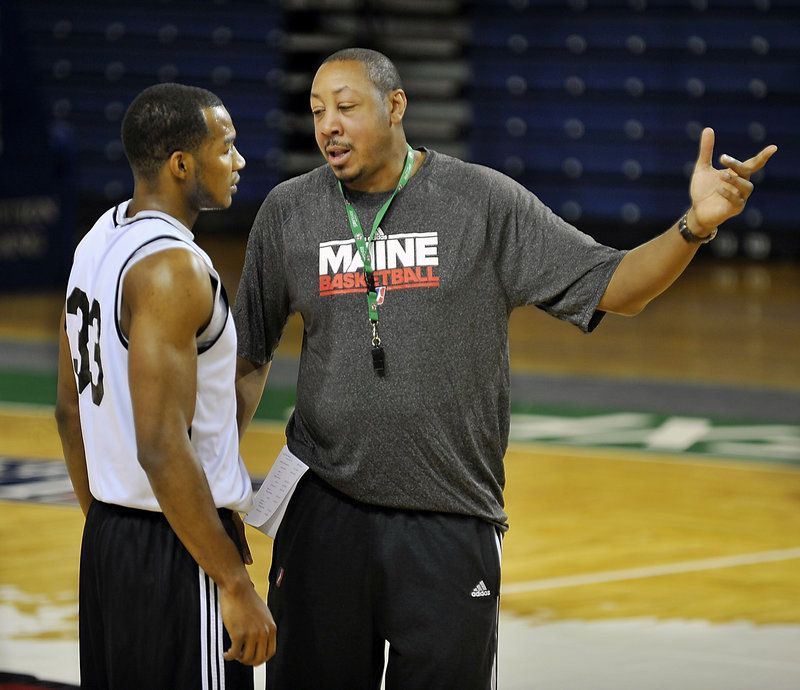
{"x": 721, "y": 194}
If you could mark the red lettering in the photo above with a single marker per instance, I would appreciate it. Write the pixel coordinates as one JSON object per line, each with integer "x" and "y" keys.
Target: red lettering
{"x": 324, "y": 283}
{"x": 417, "y": 276}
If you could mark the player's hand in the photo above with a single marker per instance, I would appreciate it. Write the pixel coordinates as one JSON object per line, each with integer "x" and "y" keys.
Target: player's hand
{"x": 250, "y": 625}
{"x": 720, "y": 194}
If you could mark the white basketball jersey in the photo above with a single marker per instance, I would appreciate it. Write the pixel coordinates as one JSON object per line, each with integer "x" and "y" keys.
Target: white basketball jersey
{"x": 100, "y": 361}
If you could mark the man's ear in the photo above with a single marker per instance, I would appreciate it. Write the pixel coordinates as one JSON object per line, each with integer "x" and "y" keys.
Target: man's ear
{"x": 180, "y": 164}
{"x": 397, "y": 106}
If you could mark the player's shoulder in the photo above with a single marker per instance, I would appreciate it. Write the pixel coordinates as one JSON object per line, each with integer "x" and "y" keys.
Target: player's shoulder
{"x": 176, "y": 261}
{"x": 174, "y": 275}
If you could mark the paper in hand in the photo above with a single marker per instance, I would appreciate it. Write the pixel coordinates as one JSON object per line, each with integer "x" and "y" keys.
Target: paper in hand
{"x": 269, "y": 503}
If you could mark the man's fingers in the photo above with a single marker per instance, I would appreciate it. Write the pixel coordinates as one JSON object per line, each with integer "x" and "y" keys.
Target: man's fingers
{"x": 233, "y": 652}
{"x": 706, "y": 147}
{"x": 253, "y": 650}
{"x": 249, "y": 655}
{"x": 244, "y": 655}
{"x": 748, "y": 167}
{"x": 760, "y": 159}
{"x": 272, "y": 640}
{"x": 737, "y": 196}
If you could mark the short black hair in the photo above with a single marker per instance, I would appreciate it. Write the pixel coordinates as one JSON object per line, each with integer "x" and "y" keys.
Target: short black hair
{"x": 380, "y": 69}
{"x": 163, "y": 119}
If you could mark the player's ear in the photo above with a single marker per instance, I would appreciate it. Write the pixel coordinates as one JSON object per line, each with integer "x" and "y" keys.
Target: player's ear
{"x": 180, "y": 164}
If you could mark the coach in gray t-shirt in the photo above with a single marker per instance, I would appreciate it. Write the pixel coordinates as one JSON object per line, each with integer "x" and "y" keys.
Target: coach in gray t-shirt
{"x": 459, "y": 248}
{"x": 405, "y": 266}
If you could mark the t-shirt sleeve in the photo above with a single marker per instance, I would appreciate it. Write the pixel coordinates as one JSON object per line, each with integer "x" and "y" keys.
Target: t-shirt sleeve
{"x": 545, "y": 261}
{"x": 261, "y": 308}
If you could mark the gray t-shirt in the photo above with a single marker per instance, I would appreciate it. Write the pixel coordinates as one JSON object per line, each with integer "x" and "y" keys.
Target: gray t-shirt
{"x": 460, "y": 246}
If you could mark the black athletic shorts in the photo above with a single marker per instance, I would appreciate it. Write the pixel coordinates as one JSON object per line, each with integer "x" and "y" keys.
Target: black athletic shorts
{"x": 346, "y": 577}
{"x": 149, "y": 616}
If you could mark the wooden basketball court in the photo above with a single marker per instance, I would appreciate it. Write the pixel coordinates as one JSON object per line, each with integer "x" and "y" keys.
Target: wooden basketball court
{"x": 597, "y": 533}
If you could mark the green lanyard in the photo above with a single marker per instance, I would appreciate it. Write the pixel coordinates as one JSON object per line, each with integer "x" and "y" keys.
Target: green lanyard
{"x": 362, "y": 243}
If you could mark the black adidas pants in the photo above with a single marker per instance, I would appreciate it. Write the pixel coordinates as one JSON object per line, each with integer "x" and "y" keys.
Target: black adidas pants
{"x": 346, "y": 576}
{"x": 149, "y": 616}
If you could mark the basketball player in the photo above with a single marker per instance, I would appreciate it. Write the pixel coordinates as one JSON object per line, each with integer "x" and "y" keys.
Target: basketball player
{"x": 405, "y": 266}
{"x": 146, "y": 413}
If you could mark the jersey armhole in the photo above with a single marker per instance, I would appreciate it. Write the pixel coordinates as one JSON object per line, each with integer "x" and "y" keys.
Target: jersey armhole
{"x": 149, "y": 248}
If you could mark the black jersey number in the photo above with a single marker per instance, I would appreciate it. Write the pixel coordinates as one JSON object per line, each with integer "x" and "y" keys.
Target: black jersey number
{"x": 89, "y": 315}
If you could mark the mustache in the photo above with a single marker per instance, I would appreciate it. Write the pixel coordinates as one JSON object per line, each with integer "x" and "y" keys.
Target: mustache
{"x": 337, "y": 143}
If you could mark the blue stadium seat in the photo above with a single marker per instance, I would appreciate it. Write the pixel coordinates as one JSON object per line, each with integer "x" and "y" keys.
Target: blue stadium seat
{"x": 92, "y": 60}
{"x": 598, "y": 105}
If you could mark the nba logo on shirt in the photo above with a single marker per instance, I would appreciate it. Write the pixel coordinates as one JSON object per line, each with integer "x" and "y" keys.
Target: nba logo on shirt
{"x": 381, "y": 292}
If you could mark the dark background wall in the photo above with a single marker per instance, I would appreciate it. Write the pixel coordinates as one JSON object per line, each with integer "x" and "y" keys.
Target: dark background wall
{"x": 596, "y": 105}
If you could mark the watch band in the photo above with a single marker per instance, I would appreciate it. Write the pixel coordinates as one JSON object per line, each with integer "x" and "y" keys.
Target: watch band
{"x": 689, "y": 236}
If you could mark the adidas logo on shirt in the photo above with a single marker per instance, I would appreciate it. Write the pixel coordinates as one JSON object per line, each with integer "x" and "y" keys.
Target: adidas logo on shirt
{"x": 481, "y": 590}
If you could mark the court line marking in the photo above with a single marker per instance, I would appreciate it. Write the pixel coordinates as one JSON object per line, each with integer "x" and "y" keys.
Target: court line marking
{"x": 29, "y": 409}
{"x": 640, "y": 455}
{"x": 43, "y": 411}
{"x": 650, "y": 571}
{"x": 650, "y": 456}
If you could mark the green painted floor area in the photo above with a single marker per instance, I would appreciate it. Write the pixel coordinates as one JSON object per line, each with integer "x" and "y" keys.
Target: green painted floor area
{"x": 752, "y": 425}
